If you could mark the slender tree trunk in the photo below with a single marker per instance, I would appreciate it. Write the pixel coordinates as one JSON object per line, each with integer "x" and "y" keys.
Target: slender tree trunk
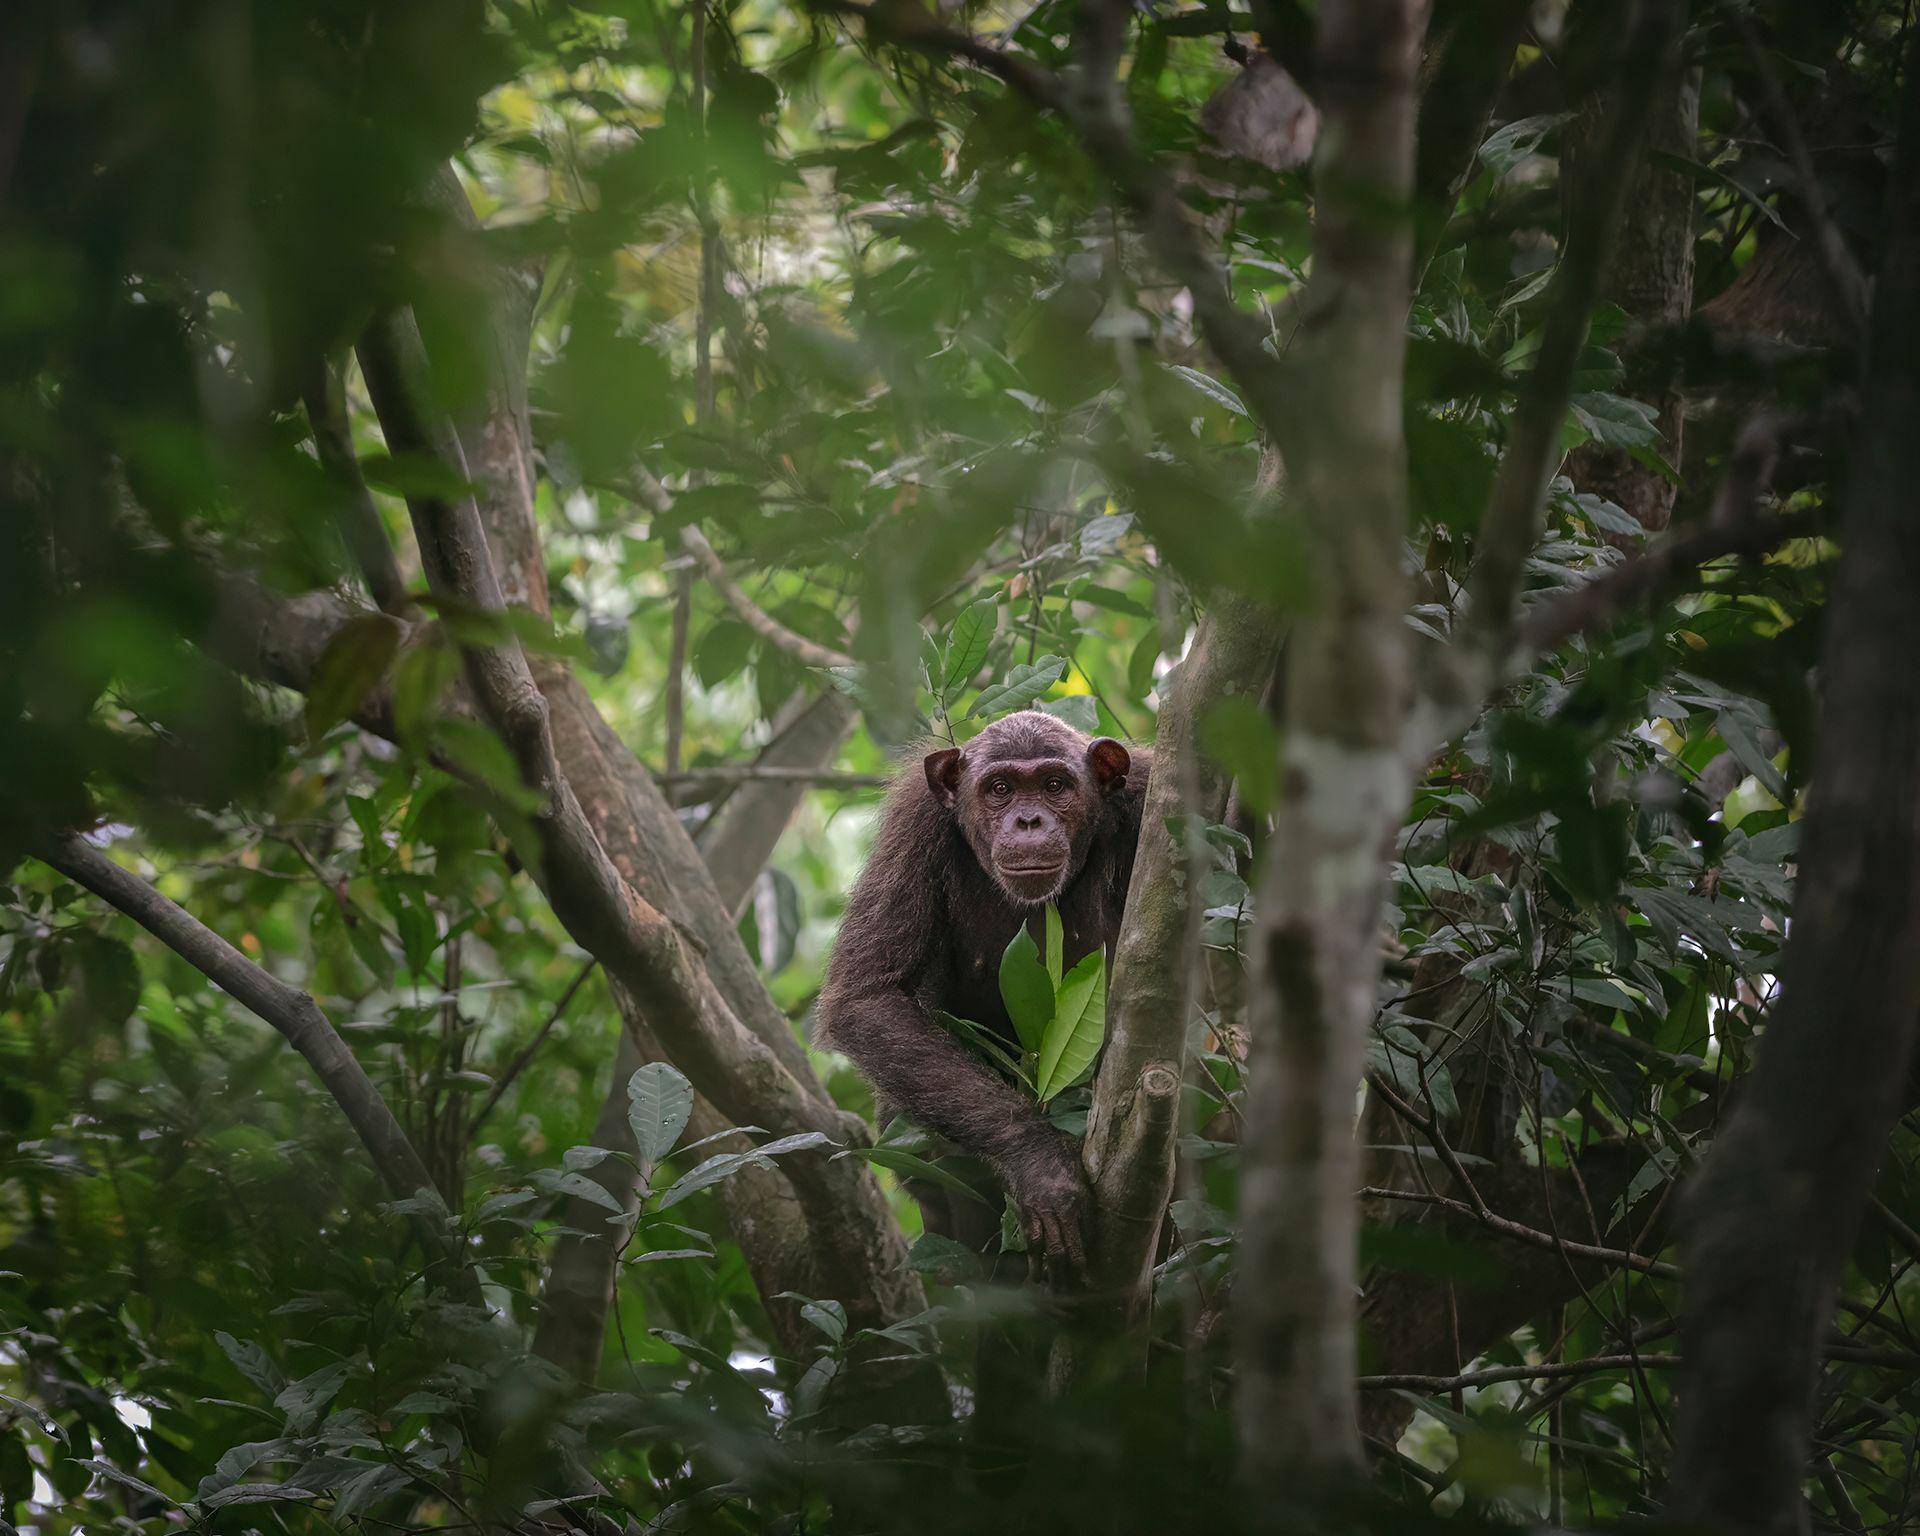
{"x": 1771, "y": 1220}
{"x": 1134, "y": 1123}
{"x": 1343, "y": 778}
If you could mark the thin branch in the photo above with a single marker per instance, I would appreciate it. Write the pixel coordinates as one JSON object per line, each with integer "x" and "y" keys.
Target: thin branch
{"x": 1546, "y": 1371}
{"x": 808, "y": 653}
{"x": 1531, "y": 1236}
{"x": 770, "y": 773}
{"x": 1511, "y": 527}
{"x": 297, "y": 1017}
{"x": 360, "y": 527}
{"x": 531, "y": 1048}
{"x": 1665, "y": 568}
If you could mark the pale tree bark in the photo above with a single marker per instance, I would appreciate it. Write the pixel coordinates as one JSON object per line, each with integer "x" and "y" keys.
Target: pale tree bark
{"x": 1770, "y": 1221}
{"x": 1344, "y": 777}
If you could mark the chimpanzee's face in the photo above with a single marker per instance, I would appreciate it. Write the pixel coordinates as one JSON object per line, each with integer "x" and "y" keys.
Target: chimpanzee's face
{"x": 1027, "y": 797}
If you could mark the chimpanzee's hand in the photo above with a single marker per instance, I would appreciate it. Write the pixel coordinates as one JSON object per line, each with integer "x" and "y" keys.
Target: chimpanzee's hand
{"x": 1048, "y": 1186}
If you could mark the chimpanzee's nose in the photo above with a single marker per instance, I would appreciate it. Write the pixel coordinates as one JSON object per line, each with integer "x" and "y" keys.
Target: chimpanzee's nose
{"x": 1027, "y": 821}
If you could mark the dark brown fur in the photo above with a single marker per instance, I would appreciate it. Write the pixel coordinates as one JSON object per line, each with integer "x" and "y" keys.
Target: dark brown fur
{"x": 926, "y": 927}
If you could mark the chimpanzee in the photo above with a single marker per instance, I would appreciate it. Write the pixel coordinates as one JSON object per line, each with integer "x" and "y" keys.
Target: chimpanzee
{"x": 1030, "y": 812}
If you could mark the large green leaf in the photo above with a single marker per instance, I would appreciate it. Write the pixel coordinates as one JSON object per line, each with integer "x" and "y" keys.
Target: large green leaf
{"x": 1027, "y": 989}
{"x": 1079, "y": 1025}
{"x": 967, "y": 642}
{"x": 910, "y": 1166}
{"x": 659, "y": 1100}
{"x": 1056, "y": 947}
{"x": 1020, "y": 687}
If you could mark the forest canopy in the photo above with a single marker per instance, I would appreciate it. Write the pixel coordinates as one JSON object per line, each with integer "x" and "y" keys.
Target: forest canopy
{"x": 493, "y": 491}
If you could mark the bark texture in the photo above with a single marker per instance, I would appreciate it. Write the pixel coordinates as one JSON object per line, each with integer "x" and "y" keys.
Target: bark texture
{"x": 1344, "y": 780}
{"x": 1770, "y": 1221}
{"x": 1134, "y": 1123}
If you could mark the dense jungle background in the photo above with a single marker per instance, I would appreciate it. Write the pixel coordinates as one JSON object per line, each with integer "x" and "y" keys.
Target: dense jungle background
{"x": 491, "y": 489}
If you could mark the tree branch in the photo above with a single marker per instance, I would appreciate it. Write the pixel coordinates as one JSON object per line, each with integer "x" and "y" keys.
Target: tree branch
{"x": 1546, "y": 1371}
{"x": 1665, "y": 568}
{"x": 641, "y": 948}
{"x": 294, "y": 1014}
{"x": 1235, "y": 336}
{"x": 808, "y": 653}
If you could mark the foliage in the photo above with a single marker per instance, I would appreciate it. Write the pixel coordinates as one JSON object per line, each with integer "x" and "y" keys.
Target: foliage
{"x": 962, "y": 429}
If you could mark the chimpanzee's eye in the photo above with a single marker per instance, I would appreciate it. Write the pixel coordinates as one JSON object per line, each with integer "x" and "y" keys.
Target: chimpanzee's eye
{"x": 1056, "y": 785}
{"x": 999, "y": 789}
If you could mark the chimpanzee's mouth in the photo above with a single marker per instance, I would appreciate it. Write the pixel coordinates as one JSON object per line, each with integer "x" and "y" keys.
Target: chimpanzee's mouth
{"x": 1033, "y": 869}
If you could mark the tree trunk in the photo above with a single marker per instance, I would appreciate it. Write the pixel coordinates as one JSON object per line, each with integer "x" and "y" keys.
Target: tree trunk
{"x": 1134, "y": 1123}
{"x": 1771, "y": 1220}
{"x": 1343, "y": 778}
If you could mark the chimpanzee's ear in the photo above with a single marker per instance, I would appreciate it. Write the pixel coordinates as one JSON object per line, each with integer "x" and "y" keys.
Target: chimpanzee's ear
{"x": 1109, "y": 762}
{"x": 943, "y": 774}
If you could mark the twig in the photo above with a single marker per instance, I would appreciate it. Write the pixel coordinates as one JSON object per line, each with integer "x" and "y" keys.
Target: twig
{"x": 1532, "y": 1236}
{"x": 1546, "y": 1371}
{"x": 527, "y": 1051}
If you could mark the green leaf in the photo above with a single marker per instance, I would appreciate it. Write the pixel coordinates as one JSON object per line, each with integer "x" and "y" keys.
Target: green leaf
{"x": 1077, "y": 709}
{"x": 968, "y": 638}
{"x": 256, "y": 1493}
{"x": 1509, "y": 145}
{"x": 1615, "y": 421}
{"x": 949, "y": 1262}
{"x": 659, "y": 1100}
{"x": 1020, "y": 687}
{"x": 108, "y": 1470}
{"x": 349, "y": 669}
{"x": 252, "y": 1362}
{"x": 1078, "y": 1028}
{"x": 1056, "y": 946}
{"x": 1212, "y": 388}
{"x": 1736, "y": 730}
{"x": 830, "y": 1317}
{"x": 302, "y": 1400}
{"x": 725, "y": 1164}
{"x": 989, "y": 1044}
{"x": 909, "y": 1166}
{"x": 1027, "y": 989}
{"x": 109, "y": 977}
